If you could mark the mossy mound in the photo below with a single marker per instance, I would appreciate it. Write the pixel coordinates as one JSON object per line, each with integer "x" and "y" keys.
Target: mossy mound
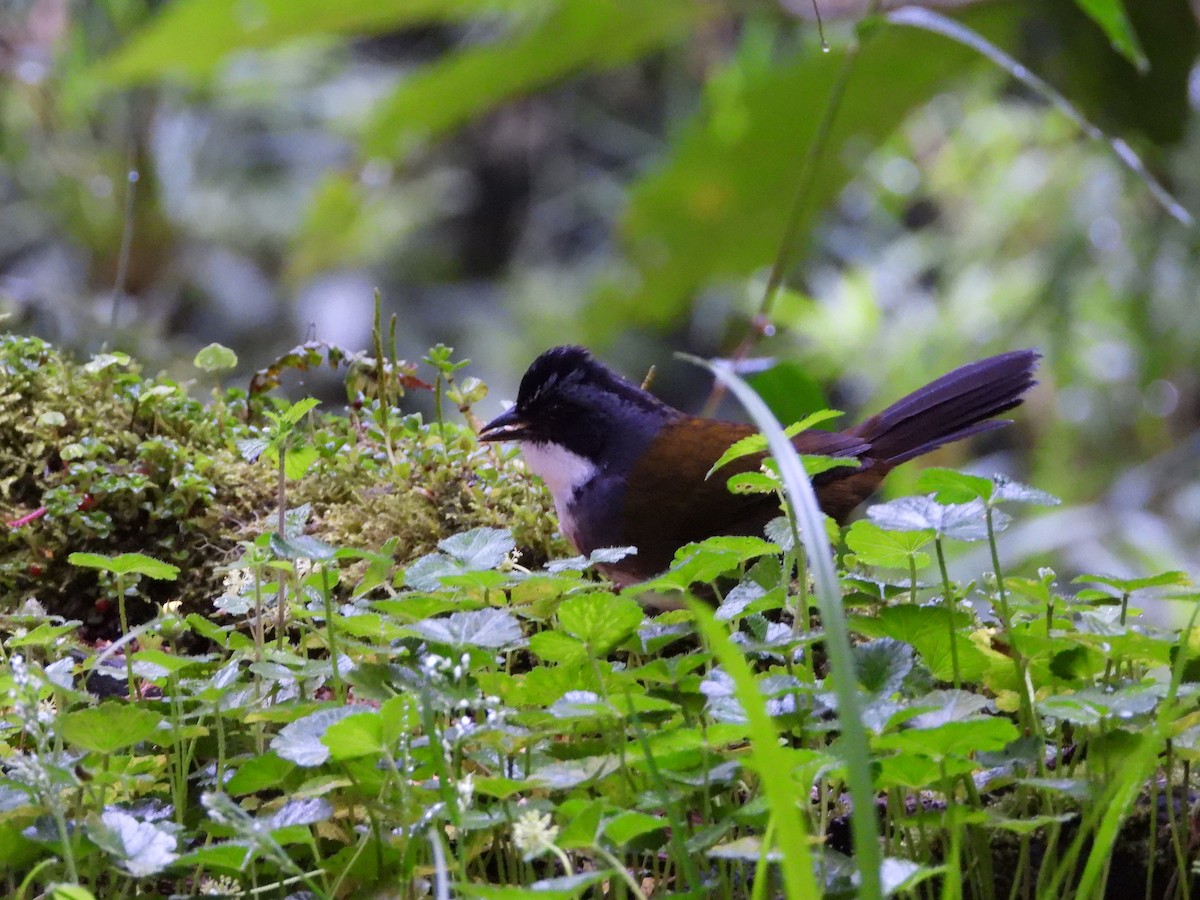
{"x": 96, "y": 458}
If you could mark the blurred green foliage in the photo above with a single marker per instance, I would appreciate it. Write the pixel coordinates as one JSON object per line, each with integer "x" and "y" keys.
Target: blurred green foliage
{"x": 514, "y": 173}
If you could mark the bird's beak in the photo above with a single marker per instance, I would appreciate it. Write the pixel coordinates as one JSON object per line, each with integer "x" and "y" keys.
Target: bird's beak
{"x": 508, "y": 426}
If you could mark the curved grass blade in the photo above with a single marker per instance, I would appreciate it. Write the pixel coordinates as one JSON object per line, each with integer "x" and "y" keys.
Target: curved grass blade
{"x": 803, "y": 502}
{"x": 929, "y": 20}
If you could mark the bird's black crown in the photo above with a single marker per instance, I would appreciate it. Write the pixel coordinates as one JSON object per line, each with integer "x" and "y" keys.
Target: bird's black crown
{"x": 570, "y": 398}
{"x": 570, "y": 372}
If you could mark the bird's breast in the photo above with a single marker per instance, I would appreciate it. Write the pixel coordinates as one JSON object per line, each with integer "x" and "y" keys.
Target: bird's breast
{"x": 565, "y": 474}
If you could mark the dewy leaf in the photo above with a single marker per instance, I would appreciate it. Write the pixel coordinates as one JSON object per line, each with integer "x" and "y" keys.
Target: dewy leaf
{"x": 1010, "y": 491}
{"x": 426, "y": 573}
{"x": 479, "y": 548}
{"x": 305, "y": 811}
{"x": 491, "y": 628}
{"x": 301, "y": 546}
{"x": 947, "y": 706}
{"x": 140, "y": 848}
{"x": 961, "y": 521}
{"x": 300, "y": 741}
{"x": 599, "y": 556}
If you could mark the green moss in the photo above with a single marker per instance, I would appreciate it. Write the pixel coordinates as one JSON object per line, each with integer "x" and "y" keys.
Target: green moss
{"x": 94, "y": 457}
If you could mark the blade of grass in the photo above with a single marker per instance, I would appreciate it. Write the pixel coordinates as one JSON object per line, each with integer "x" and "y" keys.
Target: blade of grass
{"x": 770, "y": 760}
{"x": 929, "y": 20}
{"x": 802, "y": 500}
{"x": 1136, "y": 770}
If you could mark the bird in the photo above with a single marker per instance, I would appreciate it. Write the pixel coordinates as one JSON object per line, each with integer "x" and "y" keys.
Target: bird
{"x": 626, "y": 469}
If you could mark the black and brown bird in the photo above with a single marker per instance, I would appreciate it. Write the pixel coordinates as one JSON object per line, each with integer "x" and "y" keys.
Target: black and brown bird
{"x": 626, "y": 469}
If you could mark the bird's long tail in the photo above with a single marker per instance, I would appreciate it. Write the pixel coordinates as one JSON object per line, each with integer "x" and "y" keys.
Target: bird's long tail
{"x": 957, "y": 405}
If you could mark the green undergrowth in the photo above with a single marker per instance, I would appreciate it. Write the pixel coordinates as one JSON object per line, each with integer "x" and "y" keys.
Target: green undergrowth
{"x": 343, "y": 709}
{"x": 95, "y": 457}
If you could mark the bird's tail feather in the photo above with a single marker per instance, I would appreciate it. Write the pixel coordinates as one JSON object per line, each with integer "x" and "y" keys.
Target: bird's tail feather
{"x": 959, "y": 404}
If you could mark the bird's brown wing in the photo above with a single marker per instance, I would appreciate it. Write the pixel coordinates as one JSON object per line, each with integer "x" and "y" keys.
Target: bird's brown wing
{"x": 685, "y": 506}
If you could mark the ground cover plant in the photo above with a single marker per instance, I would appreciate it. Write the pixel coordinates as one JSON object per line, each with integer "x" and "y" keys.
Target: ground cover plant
{"x": 322, "y": 709}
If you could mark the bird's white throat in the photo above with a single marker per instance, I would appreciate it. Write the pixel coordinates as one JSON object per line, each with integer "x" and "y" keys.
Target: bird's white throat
{"x": 564, "y": 473}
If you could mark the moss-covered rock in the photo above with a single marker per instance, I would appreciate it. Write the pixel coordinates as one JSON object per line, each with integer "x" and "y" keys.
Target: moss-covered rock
{"x": 95, "y": 457}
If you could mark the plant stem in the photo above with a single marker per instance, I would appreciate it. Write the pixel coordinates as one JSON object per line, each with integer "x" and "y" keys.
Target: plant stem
{"x": 948, "y": 602}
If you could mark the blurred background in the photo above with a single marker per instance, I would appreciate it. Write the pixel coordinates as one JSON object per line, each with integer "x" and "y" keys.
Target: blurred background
{"x": 512, "y": 174}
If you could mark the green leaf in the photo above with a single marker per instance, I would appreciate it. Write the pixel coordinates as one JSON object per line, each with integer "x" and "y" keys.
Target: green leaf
{"x": 953, "y": 487}
{"x": 70, "y": 892}
{"x": 575, "y": 35}
{"x": 960, "y": 521}
{"x": 108, "y": 727}
{"x": 140, "y": 848}
{"x": 600, "y": 620}
{"x": 704, "y": 213}
{"x": 299, "y": 460}
{"x": 265, "y": 771}
{"x": 882, "y": 665}
{"x": 624, "y": 827}
{"x": 556, "y": 647}
{"x": 188, "y": 39}
{"x": 707, "y": 560}
{"x": 300, "y": 741}
{"x": 491, "y": 628}
{"x": 298, "y": 410}
{"x": 788, "y": 389}
{"x": 1110, "y": 16}
{"x": 876, "y": 546}
{"x": 564, "y": 887}
{"x": 215, "y": 358}
{"x": 1129, "y": 585}
{"x": 582, "y": 824}
{"x": 926, "y": 628}
{"x": 757, "y": 442}
{"x": 479, "y": 548}
{"x": 360, "y": 734}
{"x": 952, "y": 739}
{"x": 126, "y": 564}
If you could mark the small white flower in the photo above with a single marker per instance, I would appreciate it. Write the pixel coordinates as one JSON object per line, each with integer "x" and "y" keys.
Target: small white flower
{"x": 46, "y": 711}
{"x": 220, "y": 886}
{"x": 237, "y": 581}
{"x": 20, "y": 671}
{"x": 533, "y": 833}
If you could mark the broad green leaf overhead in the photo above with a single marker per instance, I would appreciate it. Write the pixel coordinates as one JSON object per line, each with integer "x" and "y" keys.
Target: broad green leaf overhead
{"x": 578, "y": 35}
{"x": 190, "y": 38}
{"x": 716, "y": 206}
